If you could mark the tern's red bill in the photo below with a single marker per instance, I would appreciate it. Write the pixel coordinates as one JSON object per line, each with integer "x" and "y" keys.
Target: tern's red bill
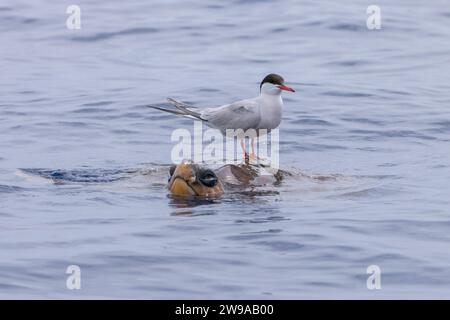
{"x": 285, "y": 88}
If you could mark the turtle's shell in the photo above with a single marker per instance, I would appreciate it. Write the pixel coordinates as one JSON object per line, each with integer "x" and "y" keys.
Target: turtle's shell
{"x": 244, "y": 175}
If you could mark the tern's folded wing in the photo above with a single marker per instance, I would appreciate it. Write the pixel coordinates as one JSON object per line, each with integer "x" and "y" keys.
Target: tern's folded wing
{"x": 238, "y": 115}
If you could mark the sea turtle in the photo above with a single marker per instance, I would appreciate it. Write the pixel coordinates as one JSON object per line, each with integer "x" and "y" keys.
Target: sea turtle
{"x": 188, "y": 179}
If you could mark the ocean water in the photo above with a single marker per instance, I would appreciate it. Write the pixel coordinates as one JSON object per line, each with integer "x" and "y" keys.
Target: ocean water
{"x": 83, "y": 163}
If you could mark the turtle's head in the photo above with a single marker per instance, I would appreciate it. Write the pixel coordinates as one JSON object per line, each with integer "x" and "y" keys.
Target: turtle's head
{"x": 191, "y": 180}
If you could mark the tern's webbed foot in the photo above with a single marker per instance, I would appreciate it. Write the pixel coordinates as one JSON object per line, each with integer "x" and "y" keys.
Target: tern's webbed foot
{"x": 252, "y": 158}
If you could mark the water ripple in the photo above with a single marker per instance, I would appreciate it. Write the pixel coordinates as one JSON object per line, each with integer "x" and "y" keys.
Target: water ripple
{"x": 109, "y": 35}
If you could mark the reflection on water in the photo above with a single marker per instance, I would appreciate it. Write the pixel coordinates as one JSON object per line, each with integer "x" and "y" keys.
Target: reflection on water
{"x": 182, "y": 205}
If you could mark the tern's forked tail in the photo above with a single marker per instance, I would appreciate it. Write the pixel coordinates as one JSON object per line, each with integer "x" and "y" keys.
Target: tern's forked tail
{"x": 182, "y": 109}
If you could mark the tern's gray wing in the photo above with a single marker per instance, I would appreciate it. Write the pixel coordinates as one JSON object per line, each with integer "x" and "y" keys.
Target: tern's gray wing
{"x": 242, "y": 114}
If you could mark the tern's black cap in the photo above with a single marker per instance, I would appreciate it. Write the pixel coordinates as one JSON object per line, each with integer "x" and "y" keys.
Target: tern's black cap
{"x": 273, "y": 79}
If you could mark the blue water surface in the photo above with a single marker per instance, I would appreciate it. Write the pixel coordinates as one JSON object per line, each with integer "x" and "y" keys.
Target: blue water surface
{"x": 83, "y": 162}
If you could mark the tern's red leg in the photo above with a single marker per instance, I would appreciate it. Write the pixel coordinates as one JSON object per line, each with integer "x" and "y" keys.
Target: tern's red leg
{"x": 246, "y": 156}
{"x": 252, "y": 154}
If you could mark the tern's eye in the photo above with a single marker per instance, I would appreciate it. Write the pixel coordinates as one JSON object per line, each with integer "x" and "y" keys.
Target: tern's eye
{"x": 208, "y": 178}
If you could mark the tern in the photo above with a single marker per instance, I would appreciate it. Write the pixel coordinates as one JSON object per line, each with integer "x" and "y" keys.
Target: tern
{"x": 261, "y": 112}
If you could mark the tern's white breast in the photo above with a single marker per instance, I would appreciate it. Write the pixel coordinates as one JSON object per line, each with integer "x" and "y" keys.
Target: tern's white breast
{"x": 270, "y": 111}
